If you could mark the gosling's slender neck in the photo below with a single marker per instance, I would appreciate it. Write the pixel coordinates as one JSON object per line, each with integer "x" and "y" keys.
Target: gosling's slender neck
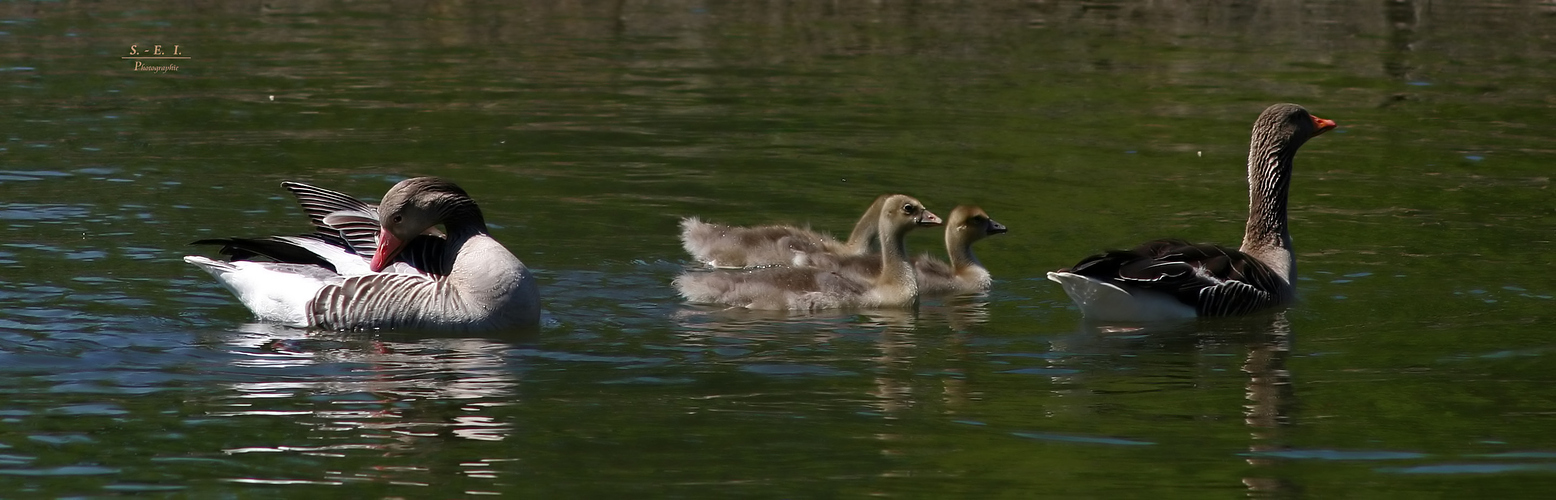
{"x": 895, "y": 269}
{"x": 958, "y": 246}
{"x": 866, "y": 232}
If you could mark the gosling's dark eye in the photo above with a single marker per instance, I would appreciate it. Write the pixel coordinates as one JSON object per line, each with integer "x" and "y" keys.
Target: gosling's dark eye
{"x": 398, "y": 218}
{"x": 909, "y": 209}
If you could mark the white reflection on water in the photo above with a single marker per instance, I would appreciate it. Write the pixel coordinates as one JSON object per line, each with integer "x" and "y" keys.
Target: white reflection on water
{"x": 363, "y": 382}
{"x": 429, "y": 368}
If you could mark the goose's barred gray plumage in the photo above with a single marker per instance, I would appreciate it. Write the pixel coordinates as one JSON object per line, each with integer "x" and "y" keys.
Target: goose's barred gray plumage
{"x": 464, "y": 281}
{"x": 378, "y": 300}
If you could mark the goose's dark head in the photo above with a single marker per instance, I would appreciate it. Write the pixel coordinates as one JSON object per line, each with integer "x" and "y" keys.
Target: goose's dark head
{"x": 1289, "y": 125}
{"x": 413, "y": 207}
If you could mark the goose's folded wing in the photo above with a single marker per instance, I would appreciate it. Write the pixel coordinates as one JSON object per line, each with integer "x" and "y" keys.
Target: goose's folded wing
{"x": 319, "y": 203}
{"x": 308, "y": 249}
{"x": 382, "y": 301}
{"x": 358, "y": 229}
{"x": 1215, "y": 281}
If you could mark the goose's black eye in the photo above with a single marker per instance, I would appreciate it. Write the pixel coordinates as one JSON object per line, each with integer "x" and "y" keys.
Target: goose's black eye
{"x": 398, "y": 218}
{"x": 909, "y": 209}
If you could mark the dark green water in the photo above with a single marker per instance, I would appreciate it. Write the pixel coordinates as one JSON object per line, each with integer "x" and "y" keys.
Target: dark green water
{"x": 1417, "y": 365}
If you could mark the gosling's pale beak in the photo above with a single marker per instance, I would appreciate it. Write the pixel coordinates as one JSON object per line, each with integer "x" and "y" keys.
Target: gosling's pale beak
{"x": 928, "y": 219}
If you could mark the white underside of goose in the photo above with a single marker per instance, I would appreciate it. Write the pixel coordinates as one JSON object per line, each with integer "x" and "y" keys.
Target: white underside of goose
{"x": 1105, "y": 301}
{"x": 281, "y": 293}
{"x": 274, "y": 292}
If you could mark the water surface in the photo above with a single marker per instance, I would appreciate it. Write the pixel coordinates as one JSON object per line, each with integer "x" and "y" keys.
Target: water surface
{"x": 1417, "y": 363}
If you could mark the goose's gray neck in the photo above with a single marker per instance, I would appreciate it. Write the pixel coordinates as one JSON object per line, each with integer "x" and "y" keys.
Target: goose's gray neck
{"x": 462, "y": 218}
{"x": 1267, "y": 236}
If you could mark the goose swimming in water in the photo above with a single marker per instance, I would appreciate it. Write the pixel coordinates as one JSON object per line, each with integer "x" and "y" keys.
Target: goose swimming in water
{"x": 966, "y": 225}
{"x": 819, "y": 288}
{"x": 387, "y": 266}
{"x": 1167, "y": 279}
{"x": 720, "y": 245}
{"x": 963, "y": 273}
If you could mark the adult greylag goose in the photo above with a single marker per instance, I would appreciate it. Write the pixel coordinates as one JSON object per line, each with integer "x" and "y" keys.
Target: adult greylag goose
{"x": 819, "y": 288}
{"x": 462, "y": 281}
{"x": 720, "y": 245}
{"x": 966, "y": 225}
{"x": 1166, "y": 279}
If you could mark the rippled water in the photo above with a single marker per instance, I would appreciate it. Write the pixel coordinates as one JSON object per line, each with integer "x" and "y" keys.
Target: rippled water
{"x": 1416, "y": 365}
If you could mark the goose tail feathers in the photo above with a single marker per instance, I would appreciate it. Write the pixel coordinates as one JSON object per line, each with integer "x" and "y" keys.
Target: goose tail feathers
{"x": 1105, "y": 301}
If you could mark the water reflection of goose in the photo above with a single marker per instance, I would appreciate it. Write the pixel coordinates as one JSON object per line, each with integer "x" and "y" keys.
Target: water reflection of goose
{"x": 1176, "y": 279}
{"x": 426, "y": 367}
{"x": 333, "y": 280}
{"x": 748, "y": 338}
{"x": 1270, "y": 396}
{"x": 738, "y": 322}
{"x": 958, "y": 313}
{"x": 283, "y": 367}
{"x": 1268, "y": 392}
